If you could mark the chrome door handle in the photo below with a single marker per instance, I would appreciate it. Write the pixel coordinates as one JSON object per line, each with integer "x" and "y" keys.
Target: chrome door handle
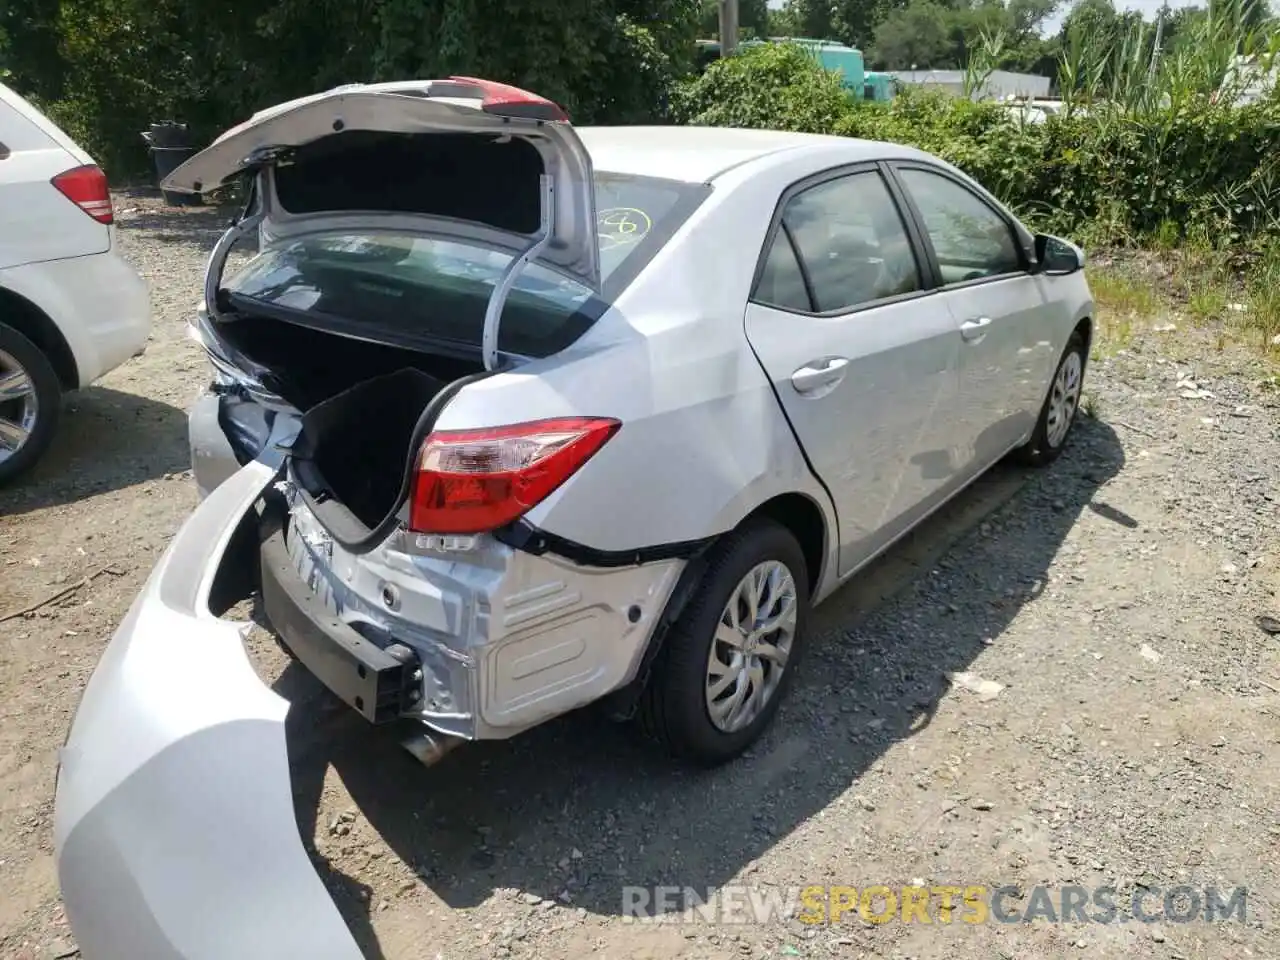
{"x": 975, "y": 329}
{"x": 816, "y": 374}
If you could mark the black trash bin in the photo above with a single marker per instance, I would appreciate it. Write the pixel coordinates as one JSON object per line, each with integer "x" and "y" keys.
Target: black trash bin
{"x": 170, "y": 145}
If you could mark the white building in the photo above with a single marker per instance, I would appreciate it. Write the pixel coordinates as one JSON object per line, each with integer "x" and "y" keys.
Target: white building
{"x": 1000, "y": 83}
{"x": 1248, "y": 80}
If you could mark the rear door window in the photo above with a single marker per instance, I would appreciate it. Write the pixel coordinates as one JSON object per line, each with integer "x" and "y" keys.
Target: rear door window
{"x": 851, "y": 243}
{"x": 782, "y": 283}
{"x": 397, "y": 282}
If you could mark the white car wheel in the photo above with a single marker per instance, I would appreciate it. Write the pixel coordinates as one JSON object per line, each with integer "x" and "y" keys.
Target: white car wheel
{"x": 30, "y": 398}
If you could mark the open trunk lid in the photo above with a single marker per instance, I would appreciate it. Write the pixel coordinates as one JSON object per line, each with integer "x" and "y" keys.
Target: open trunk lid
{"x": 461, "y": 158}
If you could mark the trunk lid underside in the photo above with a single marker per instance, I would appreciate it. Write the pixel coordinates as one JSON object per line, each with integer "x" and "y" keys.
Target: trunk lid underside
{"x": 428, "y": 153}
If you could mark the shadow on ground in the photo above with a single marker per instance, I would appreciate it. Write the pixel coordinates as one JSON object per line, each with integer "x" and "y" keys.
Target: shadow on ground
{"x": 202, "y": 227}
{"x": 107, "y": 439}
{"x": 506, "y": 815}
{"x": 141, "y": 208}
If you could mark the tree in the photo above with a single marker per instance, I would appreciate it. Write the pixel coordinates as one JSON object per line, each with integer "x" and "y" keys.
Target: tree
{"x": 1097, "y": 19}
{"x": 855, "y": 21}
{"x": 918, "y": 35}
{"x": 106, "y": 68}
{"x": 1025, "y": 50}
{"x": 753, "y": 19}
{"x": 814, "y": 19}
{"x": 946, "y": 33}
{"x": 30, "y": 29}
{"x": 784, "y": 21}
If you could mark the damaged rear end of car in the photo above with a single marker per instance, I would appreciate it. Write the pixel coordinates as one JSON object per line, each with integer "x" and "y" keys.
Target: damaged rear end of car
{"x": 416, "y": 241}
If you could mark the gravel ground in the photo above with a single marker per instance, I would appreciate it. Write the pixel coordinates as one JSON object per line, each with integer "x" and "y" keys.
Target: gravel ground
{"x": 1111, "y": 717}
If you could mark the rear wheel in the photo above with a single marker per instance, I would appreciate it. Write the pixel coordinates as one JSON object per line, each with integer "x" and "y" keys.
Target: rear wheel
{"x": 1058, "y": 415}
{"x": 729, "y": 659}
{"x": 30, "y": 402}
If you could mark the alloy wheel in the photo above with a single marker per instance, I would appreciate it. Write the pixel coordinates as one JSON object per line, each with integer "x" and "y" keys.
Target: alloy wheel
{"x": 19, "y": 406}
{"x": 751, "y": 646}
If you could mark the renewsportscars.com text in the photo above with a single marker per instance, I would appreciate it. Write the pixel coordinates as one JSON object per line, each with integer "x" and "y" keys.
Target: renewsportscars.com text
{"x": 940, "y": 904}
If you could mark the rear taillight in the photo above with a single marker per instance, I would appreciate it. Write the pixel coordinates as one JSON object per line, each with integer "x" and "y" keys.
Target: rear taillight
{"x": 86, "y": 187}
{"x": 473, "y": 481}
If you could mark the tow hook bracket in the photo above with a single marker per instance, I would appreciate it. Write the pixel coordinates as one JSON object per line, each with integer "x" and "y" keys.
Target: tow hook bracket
{"x": 410, "y": 676}
{"x": 381, "y": 683}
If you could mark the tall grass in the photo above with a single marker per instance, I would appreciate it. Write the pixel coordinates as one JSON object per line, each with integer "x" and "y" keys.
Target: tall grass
{"x": 1172, "y": 120}
{"x": 1128, "y": 74}
{"x": 1129, "y": 92}
{"x": 983, "y": 60}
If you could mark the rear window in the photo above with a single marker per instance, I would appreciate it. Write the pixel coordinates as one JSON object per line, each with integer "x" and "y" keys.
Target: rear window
{"x": 401, "y": 283}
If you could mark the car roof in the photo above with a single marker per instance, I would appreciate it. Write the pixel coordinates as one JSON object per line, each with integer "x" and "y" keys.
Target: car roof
{"x": 700, "y": 154}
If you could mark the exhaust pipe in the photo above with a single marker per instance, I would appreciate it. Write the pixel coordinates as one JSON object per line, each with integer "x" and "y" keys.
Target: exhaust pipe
{"x": 428, "y": 746}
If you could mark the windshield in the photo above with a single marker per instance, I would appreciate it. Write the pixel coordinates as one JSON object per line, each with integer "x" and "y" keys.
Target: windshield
{"x": 396, "y": 281}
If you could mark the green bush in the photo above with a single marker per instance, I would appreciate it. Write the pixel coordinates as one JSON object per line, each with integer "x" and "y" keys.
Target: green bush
{"x": 775, "y": 86}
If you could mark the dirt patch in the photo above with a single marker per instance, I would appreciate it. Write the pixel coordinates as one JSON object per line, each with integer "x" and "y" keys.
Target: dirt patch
{"x": 1065, "y": 687}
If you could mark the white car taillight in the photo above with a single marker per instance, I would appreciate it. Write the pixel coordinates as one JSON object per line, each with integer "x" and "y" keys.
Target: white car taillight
{"x": 86, "y": 187}
{"x": 474, "y": 481}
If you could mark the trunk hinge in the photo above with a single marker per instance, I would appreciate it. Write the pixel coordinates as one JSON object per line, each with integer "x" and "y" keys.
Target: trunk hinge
{"x": 239, "y": 229}
{"x": 498, "y": 299}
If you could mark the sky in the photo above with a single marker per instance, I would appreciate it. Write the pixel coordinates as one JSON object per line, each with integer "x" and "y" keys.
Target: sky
{"x": 1148, "y": 8}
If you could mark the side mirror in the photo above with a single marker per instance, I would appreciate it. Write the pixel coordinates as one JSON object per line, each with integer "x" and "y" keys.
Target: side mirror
{"x": 1057, "y": 257}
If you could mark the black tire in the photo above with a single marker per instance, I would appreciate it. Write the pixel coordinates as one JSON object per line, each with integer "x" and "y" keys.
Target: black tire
{"x": 673, "y": 709}
{"x": 48, "y": 394}
{"x": 1038, "y": 451}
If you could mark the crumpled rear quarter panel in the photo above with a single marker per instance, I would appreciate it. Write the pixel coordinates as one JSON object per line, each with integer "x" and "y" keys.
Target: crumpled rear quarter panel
{"x": 506, "y": 639}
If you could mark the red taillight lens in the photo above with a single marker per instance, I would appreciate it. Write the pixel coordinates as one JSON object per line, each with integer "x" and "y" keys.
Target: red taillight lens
{"x": 86, "y": 187}
{"x": 472, "y": 481}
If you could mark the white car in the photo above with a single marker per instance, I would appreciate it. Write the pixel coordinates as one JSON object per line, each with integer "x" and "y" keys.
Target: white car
{"x": 71, "y": 308}
{"x": 508, "y": 418}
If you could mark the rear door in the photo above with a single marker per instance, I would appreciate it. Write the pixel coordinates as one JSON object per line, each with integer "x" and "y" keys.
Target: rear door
{"x": 861, "y": 354}
{"x": 1002, "y": 312}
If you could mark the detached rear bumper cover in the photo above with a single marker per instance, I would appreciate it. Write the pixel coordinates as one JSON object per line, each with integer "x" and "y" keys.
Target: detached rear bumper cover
{"x": 174, "y": 828}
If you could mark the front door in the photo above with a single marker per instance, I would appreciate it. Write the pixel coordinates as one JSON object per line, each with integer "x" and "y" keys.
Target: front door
{"x": 1000, "y": 310}
{"x": 861, "y": 354}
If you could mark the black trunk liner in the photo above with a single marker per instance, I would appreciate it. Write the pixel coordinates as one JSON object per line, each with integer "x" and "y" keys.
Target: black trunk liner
{"x": 354, "y": 447}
